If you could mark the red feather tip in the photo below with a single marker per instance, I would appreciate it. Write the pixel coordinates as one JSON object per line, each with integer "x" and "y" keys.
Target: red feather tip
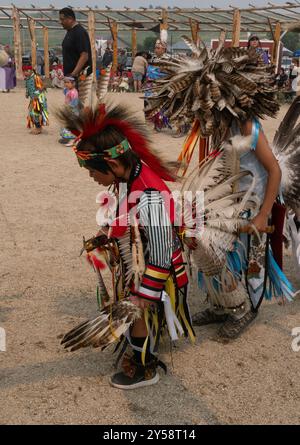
{"x": 92, "y": 125}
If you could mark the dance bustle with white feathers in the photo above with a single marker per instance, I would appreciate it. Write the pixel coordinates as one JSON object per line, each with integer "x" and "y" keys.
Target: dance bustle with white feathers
{"x": 224, "y": 208}
{"x": 295, "y": 238}
{"x": 286, "y": 148}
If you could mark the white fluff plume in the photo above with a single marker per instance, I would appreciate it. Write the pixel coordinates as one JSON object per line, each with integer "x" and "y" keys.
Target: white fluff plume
{"x": 164, "y": 35}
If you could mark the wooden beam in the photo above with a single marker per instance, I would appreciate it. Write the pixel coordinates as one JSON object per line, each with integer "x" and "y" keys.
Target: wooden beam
{"x": 288, "y": 6}
{"x": 236, "y": 28}
{"x": 91, "y": 28}
{"x": 194, "y": 30}
{"x": 46, "y": 52}
{"x": 271, "y": 29}
{"x": 133, "y": 42}
{"x": 17, "y": 43}
{"x": 277, "y": 33}
{"x": 114, "y": 31}
{"x": 31, "y": 27}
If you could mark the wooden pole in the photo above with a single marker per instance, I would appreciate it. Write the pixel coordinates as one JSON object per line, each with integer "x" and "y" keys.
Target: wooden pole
{"x": 31, "y": 27}
{"x": 133, "y": 42}
{"x": 164, "y": 22}
{"x": 276, "y": 44}
{"x": 236, "y": 28}
{"x": 194, "y": 30}
{"x": 46, "y": 52}
{"x": 114, "y": 30}
{"x": 91, "y": 27}
{"x": 17, "y": 42}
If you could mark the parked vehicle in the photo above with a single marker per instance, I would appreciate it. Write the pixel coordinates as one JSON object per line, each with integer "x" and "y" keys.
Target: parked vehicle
{"x": 26, "y": 58}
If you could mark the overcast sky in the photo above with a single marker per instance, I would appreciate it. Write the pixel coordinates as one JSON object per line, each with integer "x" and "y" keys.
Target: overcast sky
{"x": 145, "y": 3}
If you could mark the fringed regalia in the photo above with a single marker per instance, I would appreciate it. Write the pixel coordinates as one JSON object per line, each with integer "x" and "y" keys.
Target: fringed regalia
{"x": 37, "y": 108}
{"x": 141, "y": 249}
{"x": 217, "y": 91}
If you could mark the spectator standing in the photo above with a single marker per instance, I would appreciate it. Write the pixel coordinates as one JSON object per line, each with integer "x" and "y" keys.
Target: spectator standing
{"x": 8, "y": 72}
{"x": 139, "y": 69}
{"x": 254, "y": 42}
{"x": 76, "y": 46}
{"x": 281, "y": 78}
{"x": 291, "y": 76}
{"x": 40, "y": 63}
{"x": 107, "y": 57}
{"x": 296, "y": 77}
{"x": 122, "y": 59}
{"x": 71, "y": 100}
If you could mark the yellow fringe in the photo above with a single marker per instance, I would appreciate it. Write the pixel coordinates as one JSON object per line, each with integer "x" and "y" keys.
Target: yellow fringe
{"x": 146, "y": 316}
{"x": 171, "y": 291}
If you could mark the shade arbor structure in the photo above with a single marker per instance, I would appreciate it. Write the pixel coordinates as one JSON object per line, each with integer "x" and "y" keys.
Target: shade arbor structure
{"x": 272, "y": 18}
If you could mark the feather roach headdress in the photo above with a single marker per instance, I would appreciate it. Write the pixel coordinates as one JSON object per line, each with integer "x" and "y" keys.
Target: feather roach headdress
{"x": 214, "y": 87}
{"x": 110, "y": 131}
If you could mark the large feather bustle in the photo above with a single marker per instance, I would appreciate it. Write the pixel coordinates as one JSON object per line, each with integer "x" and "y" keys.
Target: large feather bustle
{"x": 91, "y": 121}
{"x": 295, "y": 238}
{"x": 286, "y": 148}
{"x": 214, "y": 86}
{"x": 284, "y": 134}
{"x": 112, "y": 322}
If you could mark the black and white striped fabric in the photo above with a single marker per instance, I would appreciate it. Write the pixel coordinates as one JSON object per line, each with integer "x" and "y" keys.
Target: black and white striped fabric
{"x": 155, "y": 221}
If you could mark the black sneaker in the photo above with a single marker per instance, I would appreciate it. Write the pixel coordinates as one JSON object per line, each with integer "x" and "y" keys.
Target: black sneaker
{"x": 208, "y": 317}
{"x": 135, "y": 375}
{"x": 232, "y": 328}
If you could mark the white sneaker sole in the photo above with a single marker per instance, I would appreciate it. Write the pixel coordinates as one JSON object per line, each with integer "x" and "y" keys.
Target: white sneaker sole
{"x": 149, "y": 382}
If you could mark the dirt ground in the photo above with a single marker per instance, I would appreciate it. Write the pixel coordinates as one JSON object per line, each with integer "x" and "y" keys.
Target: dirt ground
{"x": 46, "y": 204}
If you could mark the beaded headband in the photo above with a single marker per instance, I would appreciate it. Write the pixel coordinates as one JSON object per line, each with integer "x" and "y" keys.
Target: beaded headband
{"x": 112, "y": 153}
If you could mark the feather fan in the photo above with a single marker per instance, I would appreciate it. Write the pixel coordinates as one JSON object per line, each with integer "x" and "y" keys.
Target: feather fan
{"x": 112, "y": 322}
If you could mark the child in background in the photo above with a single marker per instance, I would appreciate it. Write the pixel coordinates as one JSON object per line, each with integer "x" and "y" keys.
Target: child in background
{"x": 37, "y": 108}
{"x": 124, "y": 84}
{"x": 71, "y": 100}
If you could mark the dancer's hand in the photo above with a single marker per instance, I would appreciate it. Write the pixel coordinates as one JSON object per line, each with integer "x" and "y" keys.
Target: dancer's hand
{"x": 141, "y": 302}
{"x": 260, "y": 222}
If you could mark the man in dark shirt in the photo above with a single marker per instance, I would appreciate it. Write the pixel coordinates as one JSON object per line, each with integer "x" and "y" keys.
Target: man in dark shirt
{"x": 76, "y": 45}
{"x": 107, "y": 58}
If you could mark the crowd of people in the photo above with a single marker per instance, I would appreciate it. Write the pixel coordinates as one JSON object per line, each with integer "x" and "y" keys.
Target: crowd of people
{"x": 286, "y": 79}
{"x": 134, "y": 74}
